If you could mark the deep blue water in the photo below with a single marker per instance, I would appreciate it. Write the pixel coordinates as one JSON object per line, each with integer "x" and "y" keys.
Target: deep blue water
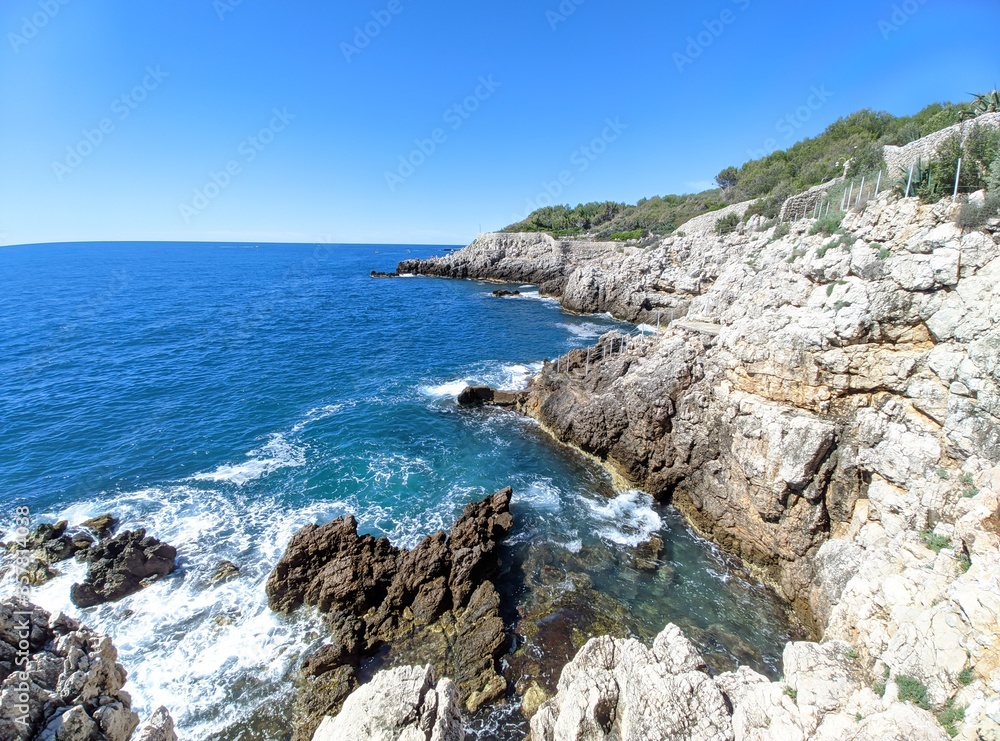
{"x": 224, "y": 395}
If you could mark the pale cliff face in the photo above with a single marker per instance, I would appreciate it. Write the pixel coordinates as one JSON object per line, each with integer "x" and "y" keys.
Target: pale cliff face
{"x": 820, "y": 406}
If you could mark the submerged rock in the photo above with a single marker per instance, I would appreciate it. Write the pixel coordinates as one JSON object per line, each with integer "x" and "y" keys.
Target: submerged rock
{"x": 433, "y": 604}
{"x": 122, "y": 566}
{"x": 502, "y": 293}
{"x": 225, "y": 571}
{"x": 60, "y": 681}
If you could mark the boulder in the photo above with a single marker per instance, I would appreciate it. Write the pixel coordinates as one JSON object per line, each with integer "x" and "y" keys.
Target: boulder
{"x": 103, "y": 526}
{"x": 402, "y": 704}
{"x": 73, "y": 689}
{"x": 487, "y": 396}
{"x": 122, "y": 566}
{"x": 433, "y": 604}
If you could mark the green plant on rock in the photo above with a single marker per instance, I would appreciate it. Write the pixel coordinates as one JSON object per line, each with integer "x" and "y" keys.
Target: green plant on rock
{"x": 828, "y": 224}
{"x": 983, "y": 103}
{"x": 913, "y": 690}
{"x": 780, "y": 231}
{"x": 883, "y": 253}
{"x": 934, "y": 541}
{"x": 965, "y": 677}
{"x": 950, "y": 717}
{"x": 625, "y": 236}
{"x": 791, "y": 692}
{"x": 727, "y": 224}
{"x": 942, "y": 474}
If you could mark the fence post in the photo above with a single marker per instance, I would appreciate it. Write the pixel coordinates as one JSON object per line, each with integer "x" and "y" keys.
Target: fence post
{"x": 860, "y": 191}
{"x": 586, "y": 371}
{"x": 878, "y": 183}
{"x": 657, "y": 321}
{"x": 958, "y": 174}
{"x": 850, "y": 195}
{"x": 908, "y": 181}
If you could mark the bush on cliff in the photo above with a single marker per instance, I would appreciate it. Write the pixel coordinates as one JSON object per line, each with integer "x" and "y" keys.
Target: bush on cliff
{"x": 856, "y": 139}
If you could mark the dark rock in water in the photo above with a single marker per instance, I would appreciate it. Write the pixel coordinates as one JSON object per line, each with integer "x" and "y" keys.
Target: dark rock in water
{"x": 122, "y": 566}
{"x": 647, "y": 555}
{"x": 103, "y": 526}
{"x": 432, "y": 604}
{"x": 380, "y": 274}
{"x": 488, "y": 396}
{"x": 75, "y": 690}
{"x": 501, "y": 293}
{"x": 225, "y": 571}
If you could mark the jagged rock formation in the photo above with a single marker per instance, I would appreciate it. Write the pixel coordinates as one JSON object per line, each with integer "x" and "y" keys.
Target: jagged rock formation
{"x": 820, "y": 406}
{"x": 121, "y": 566}
{"x": 60, "y": 681}
{"x": 432, "y": 604}
{"x": 620, "y": 689}
{"x": 402, "y": 704}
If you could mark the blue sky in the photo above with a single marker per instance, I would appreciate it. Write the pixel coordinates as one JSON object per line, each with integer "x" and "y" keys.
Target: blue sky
{"x": 420, "y": 122}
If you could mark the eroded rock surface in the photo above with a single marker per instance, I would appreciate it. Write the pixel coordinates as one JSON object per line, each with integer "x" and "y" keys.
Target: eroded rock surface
{"x": 433, "y": 604}
{"x": 621, "y": 689}
{"x": 825, "y": 407}
{"x": 402, "y": 704}
{"x": 60, "y": 681}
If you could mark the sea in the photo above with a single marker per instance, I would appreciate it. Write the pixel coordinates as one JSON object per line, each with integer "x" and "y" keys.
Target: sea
{"x": 221, "y": 396}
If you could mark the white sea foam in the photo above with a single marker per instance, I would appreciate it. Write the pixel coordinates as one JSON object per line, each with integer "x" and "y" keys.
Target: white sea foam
{"x": 212, "y": 654}
{"x": 627, "y": 519}
{"x": 316, "y": 414}
{"x": 646, "y": 328}
{"x": 507, "y": 377}
{"x": 277, "y": 453}
{"x": 449, "y": 388}
{"x": 540, "y": 494}
{"x": 585, "y": 330}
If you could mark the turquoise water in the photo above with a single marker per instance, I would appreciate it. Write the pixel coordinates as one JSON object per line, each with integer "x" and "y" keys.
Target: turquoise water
{"x": 222, "y": 396}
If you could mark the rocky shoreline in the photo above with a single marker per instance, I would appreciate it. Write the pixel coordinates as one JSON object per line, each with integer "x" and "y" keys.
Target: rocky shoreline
{"x": 827, "y": 408}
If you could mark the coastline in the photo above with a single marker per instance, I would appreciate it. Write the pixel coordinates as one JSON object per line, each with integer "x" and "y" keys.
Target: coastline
{"x": 835, "y": 342}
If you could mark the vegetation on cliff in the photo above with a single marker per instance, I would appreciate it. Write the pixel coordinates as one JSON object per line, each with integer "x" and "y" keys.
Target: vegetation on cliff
{"x": 857, "y": 138}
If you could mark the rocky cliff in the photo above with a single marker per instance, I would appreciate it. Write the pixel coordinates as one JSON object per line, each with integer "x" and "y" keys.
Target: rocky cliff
{"x": 825, "y": 407}
{"x": 60, "y": 681}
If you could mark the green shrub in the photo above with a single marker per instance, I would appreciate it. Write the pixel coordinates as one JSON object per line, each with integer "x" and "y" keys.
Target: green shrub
{"x": 950, "y": 717}
{"x": 781, "y": 230}
{"x": 791, "y": 692}
{"x": 965, "y": 678}
{"x": 625, "y": 236}
{"x": 828, "y": 224}
{"x": 934, "y": 541}
{"x": 943, "y": 474}
{"x": 727, "y": 224}
{"x": 912, "y": 690}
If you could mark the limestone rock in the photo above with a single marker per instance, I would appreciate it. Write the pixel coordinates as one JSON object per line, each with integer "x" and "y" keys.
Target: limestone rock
{"x": 67, "y": 684}
{"x": 402, "y": 704}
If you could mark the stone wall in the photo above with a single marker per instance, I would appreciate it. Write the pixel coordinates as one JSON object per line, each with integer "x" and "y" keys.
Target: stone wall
{"x": 706, "y": 222}
{"x": 899, "y": 159}
{"x": 806, "y": 202}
